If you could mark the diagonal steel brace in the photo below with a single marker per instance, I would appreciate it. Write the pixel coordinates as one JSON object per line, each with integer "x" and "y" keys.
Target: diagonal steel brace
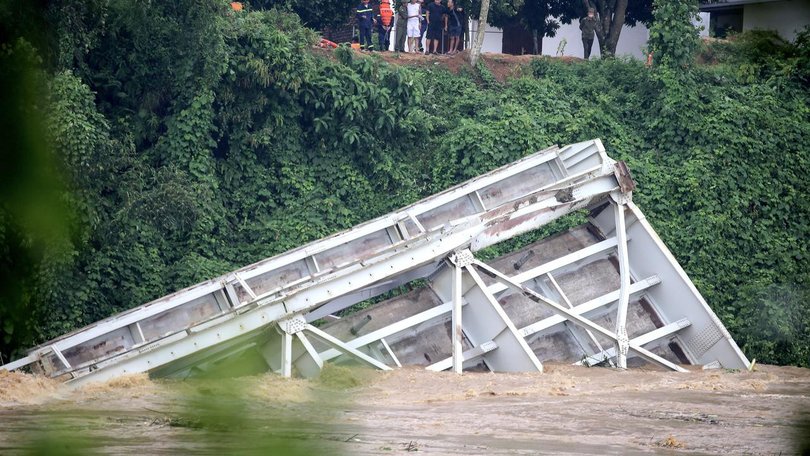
{"x": 573, "y": 317}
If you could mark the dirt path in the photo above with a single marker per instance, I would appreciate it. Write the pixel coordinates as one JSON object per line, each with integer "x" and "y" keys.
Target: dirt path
{"x": 567, "y": 410}
{"x": 502, "y": 66}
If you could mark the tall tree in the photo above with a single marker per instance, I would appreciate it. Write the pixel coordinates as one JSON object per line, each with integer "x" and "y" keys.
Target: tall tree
{"x": 475, "y": 52}
{"x": 544, "y": 17}
{"x": 315, "y": 14}
{"x": 614, "y": 14}
{"x": 537, "y": 16}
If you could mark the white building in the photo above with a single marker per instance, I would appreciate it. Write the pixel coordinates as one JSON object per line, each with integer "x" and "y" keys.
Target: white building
{"x": 632, "y": 41}
{"x": 568, "y": 41}
{"x": 786, "y": 17}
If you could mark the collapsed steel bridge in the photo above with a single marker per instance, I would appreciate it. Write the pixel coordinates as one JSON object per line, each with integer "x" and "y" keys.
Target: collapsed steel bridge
{"x": 596, "y": 294}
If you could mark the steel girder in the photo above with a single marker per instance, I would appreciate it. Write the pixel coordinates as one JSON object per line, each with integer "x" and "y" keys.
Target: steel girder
{"x": 269, "y": 306}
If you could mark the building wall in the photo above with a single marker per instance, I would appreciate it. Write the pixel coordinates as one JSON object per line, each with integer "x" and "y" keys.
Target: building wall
{"x": 786, "y": 17}
{"x": 631, "y": 42}
{"x": 703, "y": 23}
{"x": 493, "y": 37}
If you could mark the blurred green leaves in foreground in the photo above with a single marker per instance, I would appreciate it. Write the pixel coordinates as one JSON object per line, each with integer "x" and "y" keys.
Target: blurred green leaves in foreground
{"x": 262, "y": 414}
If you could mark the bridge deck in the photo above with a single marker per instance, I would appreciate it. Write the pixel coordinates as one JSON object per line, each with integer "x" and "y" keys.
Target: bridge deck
{"x": 494, "y": 318}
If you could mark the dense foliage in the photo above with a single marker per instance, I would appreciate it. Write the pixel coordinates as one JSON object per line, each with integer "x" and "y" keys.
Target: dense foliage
{"x": 193, "y": 140}
{"x": 673, "y": 37}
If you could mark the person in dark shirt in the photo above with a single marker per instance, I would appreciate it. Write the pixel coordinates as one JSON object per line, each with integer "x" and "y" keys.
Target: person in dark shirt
{"x": 422, "y": 24}
{"x": 365, "y": 22}
{"x": 589, "y": 25}
{"x": 437, "y": 24}
{"x": 456, "y": 20}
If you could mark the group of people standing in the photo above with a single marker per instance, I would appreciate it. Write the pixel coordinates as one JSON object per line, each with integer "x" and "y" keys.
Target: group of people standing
{"x": 440, "y": 21}
{"x": 414, "y": 19}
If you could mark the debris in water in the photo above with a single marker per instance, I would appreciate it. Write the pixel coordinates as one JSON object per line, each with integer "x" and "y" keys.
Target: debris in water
{"x": 671, "y": 442}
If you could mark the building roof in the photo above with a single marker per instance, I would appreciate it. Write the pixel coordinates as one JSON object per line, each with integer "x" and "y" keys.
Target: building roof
{"x": 710, "y": 5}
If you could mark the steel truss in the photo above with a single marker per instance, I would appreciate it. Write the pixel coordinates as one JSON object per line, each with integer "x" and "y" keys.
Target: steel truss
{"x": 271, "y": 307}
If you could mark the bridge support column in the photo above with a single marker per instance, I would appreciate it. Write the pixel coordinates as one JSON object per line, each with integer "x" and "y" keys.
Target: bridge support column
{"x": 622, "y": 340}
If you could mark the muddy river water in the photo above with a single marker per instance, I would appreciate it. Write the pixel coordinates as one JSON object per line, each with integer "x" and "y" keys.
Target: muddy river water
{"x": 567, "y": 410}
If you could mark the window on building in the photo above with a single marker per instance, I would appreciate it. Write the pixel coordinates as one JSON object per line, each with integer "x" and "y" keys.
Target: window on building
{"x": 725, "y": 21}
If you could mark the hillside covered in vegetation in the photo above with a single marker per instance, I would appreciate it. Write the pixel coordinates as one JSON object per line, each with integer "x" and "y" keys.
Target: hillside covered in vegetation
{"x": 153, "y": 145}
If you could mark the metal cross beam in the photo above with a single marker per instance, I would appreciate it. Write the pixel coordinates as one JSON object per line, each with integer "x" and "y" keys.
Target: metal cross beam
{"x": 568, "y": 303}
{"x": 644, "y": 339}
{"x": 341, "y": 346}
{"x": 573, "y": 317}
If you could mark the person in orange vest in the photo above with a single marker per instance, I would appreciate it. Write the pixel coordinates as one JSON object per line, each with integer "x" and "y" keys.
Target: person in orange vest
{"x": 385, "y": 20}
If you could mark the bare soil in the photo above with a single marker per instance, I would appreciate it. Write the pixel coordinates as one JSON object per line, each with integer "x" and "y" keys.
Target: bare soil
{"x": 502, "y": 66}
{"x": 567, "y": 410}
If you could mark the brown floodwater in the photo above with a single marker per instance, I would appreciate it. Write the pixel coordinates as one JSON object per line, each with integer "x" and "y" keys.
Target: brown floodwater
{"x": 567, "y": 410}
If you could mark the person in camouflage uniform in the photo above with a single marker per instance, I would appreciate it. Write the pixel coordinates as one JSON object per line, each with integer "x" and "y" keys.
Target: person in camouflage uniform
{"x": 402, "y": 26}
{"x": 589, "y": 24}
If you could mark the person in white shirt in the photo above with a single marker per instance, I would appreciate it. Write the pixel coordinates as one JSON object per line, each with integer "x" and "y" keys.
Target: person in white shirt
{"x": 413, "y": 26}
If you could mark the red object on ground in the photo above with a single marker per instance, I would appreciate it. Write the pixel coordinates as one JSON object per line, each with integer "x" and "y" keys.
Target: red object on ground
{"x": 324, "y": 43}
{"x": 236, "y": 6}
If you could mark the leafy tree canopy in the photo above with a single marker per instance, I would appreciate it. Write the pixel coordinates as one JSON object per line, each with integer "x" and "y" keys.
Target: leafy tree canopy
{"x": 546, "y": 16}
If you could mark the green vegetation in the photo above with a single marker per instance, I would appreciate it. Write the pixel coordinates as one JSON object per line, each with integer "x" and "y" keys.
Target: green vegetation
{"x": 673, "y": 37}
{"x": 190, "y": 140}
